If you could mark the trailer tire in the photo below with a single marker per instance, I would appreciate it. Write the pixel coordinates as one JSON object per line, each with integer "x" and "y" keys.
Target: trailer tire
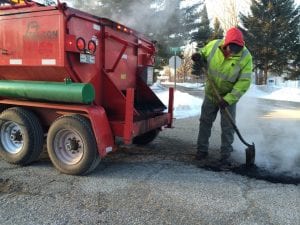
{"x": 21, "y": 136}
{"x": 145, "y": 138}
{"x": 72, "y": 146}
{"x": 97, "y": 158}
{"x": 3, "y": 107}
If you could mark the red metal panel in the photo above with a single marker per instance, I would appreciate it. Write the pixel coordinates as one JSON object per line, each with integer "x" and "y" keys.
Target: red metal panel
{"x": 102, "y": 130}
{"x": 146, "y": 52}
{"x": 141, "y": 126}
{"x": 34, "y": 46}
{"x": 32, "y": 40}
{"x": 82, "y": 25}
{"x": 128, "y": 132}
{"x": 71, "y": 43}
{"x": 124, "y": 72}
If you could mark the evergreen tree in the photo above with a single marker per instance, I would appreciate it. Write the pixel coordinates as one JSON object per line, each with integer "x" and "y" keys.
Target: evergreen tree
{"x": 272, "y": 35}
{"x": 204, "y": 32}
{"x": 294, "y": 69}
{"x": 191, "y": 21}
{"x": 201, "y": 37}
{"x": 167, "y": 29}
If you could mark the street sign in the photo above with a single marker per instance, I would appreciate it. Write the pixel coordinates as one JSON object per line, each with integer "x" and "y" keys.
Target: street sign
{"x": 175, "y": 62}
{"x": 175, "y": 49}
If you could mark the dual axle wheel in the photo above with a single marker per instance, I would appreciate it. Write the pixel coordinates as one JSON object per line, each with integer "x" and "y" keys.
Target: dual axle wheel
{"x": 71, "y": 143}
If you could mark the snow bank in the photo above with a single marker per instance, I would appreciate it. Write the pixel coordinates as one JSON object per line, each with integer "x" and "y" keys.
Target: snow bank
{"x": 185, "y": 105}
{"x": 274, "y": 93}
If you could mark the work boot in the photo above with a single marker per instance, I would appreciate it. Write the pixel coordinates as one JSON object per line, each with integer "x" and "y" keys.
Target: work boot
{"x": 224, "y": 157}
{"x": 201, "y": 155}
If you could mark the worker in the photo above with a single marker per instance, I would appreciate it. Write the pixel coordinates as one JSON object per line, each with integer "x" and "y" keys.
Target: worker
{"x": 229, "y": 65}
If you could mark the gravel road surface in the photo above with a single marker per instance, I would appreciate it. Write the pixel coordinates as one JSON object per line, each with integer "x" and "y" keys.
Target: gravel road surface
{"x": 156, "y": 184}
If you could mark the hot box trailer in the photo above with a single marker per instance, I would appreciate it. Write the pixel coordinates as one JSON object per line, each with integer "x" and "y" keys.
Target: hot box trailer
{"x": 78, "y": 81}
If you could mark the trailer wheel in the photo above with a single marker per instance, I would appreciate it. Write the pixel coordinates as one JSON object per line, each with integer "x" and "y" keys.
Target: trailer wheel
{"x": 97, "y": 159}
{"x": 145, "y": 138}
{"x": 21, "y": 136}
{"x": 72, "y": 146}
{"x": 3, "y": 107}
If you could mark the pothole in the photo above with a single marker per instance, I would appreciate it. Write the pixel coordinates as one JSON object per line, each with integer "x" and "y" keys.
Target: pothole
{"x": 7, "y": 186}
{"x": 213, "y": 164}
{"x": 253, "y": 172}
{"x": 264, "y": 174}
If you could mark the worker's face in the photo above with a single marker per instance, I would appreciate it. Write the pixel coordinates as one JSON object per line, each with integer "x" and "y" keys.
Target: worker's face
{"x": 228, "y": 51}
{"x": 231, "y": 49}
{"x": 234, "y": 48}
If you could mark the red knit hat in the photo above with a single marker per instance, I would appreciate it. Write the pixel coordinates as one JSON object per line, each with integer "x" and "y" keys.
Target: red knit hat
{"x": 234, "y": 35}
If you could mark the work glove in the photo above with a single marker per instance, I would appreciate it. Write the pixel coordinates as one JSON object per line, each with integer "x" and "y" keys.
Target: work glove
{"x": 196, "y": 57}
{"x": 223, "y": 104}
{"x": 199, "y": 60}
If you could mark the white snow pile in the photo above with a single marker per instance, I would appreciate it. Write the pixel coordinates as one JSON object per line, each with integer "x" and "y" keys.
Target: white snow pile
{"x": 198, "y": 86}
{"x": 274, "y": 93}
{"x": 185, "y": 105}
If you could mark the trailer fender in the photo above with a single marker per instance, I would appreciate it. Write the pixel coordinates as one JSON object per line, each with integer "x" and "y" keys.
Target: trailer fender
{"x": 102, "y": 130}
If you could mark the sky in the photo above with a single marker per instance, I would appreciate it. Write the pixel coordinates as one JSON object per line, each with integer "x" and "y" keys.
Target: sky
{"x": 277, "y": 140}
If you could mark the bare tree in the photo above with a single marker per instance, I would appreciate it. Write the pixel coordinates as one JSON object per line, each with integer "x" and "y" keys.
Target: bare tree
{"x": 186, "y": 66}
{"x": 168, "y": 73}
{"x": 228, "y": 11}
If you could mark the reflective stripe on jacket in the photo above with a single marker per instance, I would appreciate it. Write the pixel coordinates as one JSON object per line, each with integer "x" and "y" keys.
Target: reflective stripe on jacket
{"x": 232, "y": 75}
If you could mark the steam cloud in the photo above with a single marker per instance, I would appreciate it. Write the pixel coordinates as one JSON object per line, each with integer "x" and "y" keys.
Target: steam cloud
{"x": 138, "y": 16}
{"x": 276, "y": 140}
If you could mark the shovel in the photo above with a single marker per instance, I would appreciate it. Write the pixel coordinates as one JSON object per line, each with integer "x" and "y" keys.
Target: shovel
{"x": 250, "y": 150}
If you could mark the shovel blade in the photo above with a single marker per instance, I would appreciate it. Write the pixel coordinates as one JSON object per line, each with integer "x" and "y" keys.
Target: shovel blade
{"x": 250, "y": 155}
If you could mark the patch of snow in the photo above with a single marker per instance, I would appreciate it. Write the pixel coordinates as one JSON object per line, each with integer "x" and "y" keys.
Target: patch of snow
{"x": 185, "y": 105}
{"x": 274, "y": 93}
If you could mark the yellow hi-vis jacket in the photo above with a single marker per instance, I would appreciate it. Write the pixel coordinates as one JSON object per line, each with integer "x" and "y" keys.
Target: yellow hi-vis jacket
{"x": 232, "y": 75}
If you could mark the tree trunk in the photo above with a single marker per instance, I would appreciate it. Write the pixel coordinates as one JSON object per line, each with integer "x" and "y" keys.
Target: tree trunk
{"x": 265, "y": 75}
{"x": 259, "y": 77}
{"x": 256, "y": 76}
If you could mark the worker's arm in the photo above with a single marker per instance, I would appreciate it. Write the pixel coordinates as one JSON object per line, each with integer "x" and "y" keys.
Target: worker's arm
{"x": 206, "y": 50}
{"x": 203, "y": 53}
{"x": 243, "y": 83}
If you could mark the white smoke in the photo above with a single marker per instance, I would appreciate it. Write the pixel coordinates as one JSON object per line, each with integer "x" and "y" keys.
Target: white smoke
{"x": 137, "y": 15}
{"x": 276, "y": 139}
{"x": 140, "y": 17}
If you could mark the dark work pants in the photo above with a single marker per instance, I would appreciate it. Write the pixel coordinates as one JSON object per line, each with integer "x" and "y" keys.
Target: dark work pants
{"x": 209, "y": 111}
